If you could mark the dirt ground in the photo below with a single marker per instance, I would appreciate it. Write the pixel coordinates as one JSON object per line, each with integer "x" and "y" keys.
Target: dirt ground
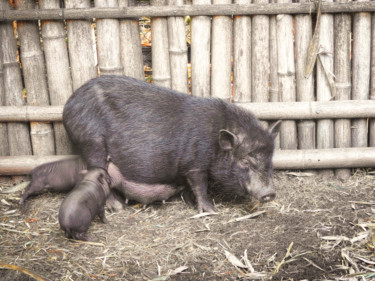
{"x": 316, "y": 229}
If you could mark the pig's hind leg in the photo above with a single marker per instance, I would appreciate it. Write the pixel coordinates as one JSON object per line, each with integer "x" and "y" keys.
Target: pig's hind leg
{"x": 102, "y": 215}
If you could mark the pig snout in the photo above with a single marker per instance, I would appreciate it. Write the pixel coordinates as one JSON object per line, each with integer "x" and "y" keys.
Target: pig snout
{"x": 270, "y": 195}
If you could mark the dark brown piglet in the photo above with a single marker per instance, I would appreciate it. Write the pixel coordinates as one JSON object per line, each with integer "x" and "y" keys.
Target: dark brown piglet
{"x": 60, "y": 176}
{"x": 82, "y": 205}
{"x": 141, "y": 192}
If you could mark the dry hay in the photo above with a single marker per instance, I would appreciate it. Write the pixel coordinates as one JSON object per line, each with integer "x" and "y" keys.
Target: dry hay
{"x": 315, "y": 230}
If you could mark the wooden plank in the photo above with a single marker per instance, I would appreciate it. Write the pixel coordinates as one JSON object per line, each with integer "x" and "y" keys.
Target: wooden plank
{"x": 186, "y": 10}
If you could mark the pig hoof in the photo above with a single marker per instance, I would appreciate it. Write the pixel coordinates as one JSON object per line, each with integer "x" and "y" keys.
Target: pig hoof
{"x": 104, "y": 220}
{"x": 206, "y": 208}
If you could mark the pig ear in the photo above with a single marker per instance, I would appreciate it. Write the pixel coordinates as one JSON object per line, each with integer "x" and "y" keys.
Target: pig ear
{"x": 275, "y": 129}
{"x": 227, "y": 140}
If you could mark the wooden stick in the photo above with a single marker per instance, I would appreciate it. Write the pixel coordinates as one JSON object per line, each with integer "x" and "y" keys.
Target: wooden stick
{"x": 186, "y": 10}
{"x": 265, "y": 111}
{"x": 282, "y": 159}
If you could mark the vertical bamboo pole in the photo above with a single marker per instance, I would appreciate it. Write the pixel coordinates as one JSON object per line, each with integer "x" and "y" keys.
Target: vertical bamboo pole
{"x": 34, "y": 73}
{"x": 286, "y": 71}
{"x": 82, "y": 49}
{"x": 161, "y": 72}
{"x": 304, "y": 85}
{"x": 221, "y": 54}
{"x": 200, "y": 53}
{"x": 108, "y": 41}
{"x": 274, "y": 77}
{"x": 361, "y": 73}
{"x": 372, "y": 92}
{"x": 58, "y": 72}
{"x": 325, "y": 128}
{"x": 242, "y": 56}
{"x": 178, "y": 50}
{"x": 18, "y": 133}
{"x": 342, "y": 27}
{"x": 130, "y": 45}
{"x": 4, "y": 146}
{"x": 260, "y": 57}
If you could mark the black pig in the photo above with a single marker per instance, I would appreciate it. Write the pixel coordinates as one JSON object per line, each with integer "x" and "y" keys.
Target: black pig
{"x": 82, "y": 205}
{"x": 60, "y": 176}
{"x": 156, "y": 135}
{"x": 141, "y": 192}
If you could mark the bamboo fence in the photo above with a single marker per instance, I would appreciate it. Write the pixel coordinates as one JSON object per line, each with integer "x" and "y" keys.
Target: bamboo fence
{"x": 309, "y": 64}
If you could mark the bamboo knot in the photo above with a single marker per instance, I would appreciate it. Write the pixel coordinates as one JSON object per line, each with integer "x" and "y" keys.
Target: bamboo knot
{"x": 178, "y": 51}
{"x": 343, "y": 85}
{"x": 109, "y": 69}
{"x": 31, "y": 54}
{"x": 161, "y": 79}
{"x": 10, "y": 64}
{"x": 286, "y": 74}
{"x": 45, "y": 37}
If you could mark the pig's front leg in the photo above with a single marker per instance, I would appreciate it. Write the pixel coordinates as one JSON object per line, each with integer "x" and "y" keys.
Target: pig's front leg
{"x": 198, "y": 182}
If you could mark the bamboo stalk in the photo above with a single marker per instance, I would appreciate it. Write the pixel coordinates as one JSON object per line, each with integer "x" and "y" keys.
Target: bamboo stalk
{"x": 81, "y": 42}
{"x": 178, "y": 50}
{"x": 58, "y": 72}
{"x": 260, "y": 56}
{"x": 265, "y": 111}
{"x": 200, "y": 52}
{"x": 304, "y": 85}
{"x": 274, "y": 76}
{"x": 34, "y": 73}
{"x": 108, "y": 41}
{"x": 18, "y": 133}
{"x": 286, "y": 72}
{"x": 161, "y": 70}
{"x": 4, "y": 146}
{"x": 372, "y": 89}
{"x": 325, "y": 128}
{"x": 361, "y": 73}
{"x": 343, "y": 87}
{"x": 221, "y": 55}
{"x": 186, "y": 10}
{"x": 130, "y": 45}
{"x": 242, "y": 56}
{"x": 282, "y": 159}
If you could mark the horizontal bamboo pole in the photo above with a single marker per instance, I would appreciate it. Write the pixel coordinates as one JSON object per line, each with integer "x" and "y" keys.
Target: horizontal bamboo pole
{"x": 282, "y": 160}
{"x": 266, "y": 111}
{"x": 185, "y": 10}
{"x": 325, "y": 158}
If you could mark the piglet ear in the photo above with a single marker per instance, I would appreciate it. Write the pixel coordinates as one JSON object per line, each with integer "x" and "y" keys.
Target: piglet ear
{"x": 227, "y": 140}
{"x": 275, "y": 129}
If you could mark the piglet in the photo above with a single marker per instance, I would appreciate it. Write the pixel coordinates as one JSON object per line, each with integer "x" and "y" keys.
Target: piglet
{"x": 141, "y": 192}
{"x": 60, "y": 176}
{"x": 82, "y": 205}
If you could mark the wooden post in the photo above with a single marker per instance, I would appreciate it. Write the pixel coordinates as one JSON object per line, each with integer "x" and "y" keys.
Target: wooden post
{"x": 108, "y": 41}
{"x": 200, "y": 53}
{"x": 286, "y": 71}
{"x": 342, "y": 27}
{"x": 221, "y": 53}
{"x": 130, "y": 45}
{"x": 18, "y": 133}
{"x": 58, "y": 72}
{"x": 4, "y": 146}
{"x": 361, "y": 73}
{"x": 34, "y": 73}
{"x": 242, "y": 56}
{"x": 372, "y": 90}
{"x": 260, "y": 63}
{"x": 82, "y": 50}
{"x": 161, "y": 72}
{"x": 274, "y": 77}
{"x": 305, "y": 85}
{"x": 178, "y": 50}
{"x": 325, "y": 127}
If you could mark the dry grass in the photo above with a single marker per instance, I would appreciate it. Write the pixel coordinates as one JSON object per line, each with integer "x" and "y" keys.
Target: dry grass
{"x": 316, "y": 230}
